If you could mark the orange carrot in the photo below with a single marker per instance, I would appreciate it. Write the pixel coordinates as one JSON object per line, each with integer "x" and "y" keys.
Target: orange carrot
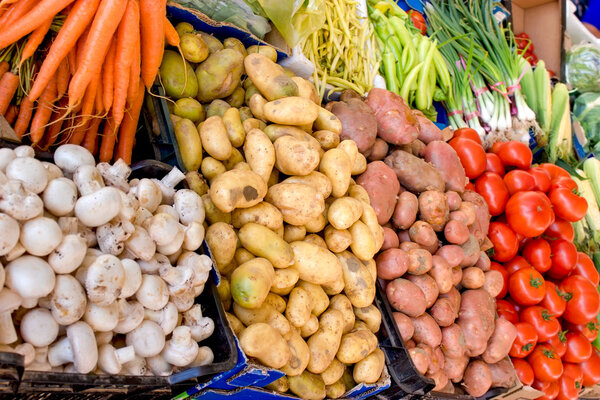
{"x": 24, "y": 117}
{"x": 43, "y": 112}
{"x": 72, "y": 60}
{"x": 81, "y": 124}
{"x": 109, "y": 136}
{"x": 17, "y": 11}
{"x": 34, "y": 40}
{"x": 152, "y": 19}
{"x": 30, "y": 21}
{"x": 11, "y": 114}
{"x": 134, "y": 72}
{"x": 107, "y": 19}
{"x": 56, "y": 124}
{"x": 126, "y": 41}
{"x": 90, "y": 141}
{"x": 129, "y": 126}
{"x": 8, "y": 87}
{"x": 98, "y": 102}
{"x": 108, "y": 76}
{"x": 89, "y": 98}
{"x": 4, "y": 67}
{"x": 78, "y": 19}
{"x": 62, "y": 78}
{"x": 171, "y": 34}
{"x": 80, "y": 45}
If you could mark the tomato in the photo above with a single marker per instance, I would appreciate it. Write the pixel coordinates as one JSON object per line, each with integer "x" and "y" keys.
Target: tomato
{"x": 492, "y": 188}
{"x": 555, "y": 171}
{"x": 554, "y": 300}
{"x": 507, "y": 311}
{"x": 559, "y": 342}
{"x": 591, "y": 369}
{"x": 546, "y": 325}
{"x": 560, "y": 229}
{"x": 523, "y": 35}
{"x": 584, "y": 302}
{"x": 504, "y": 240}
{"x": 541, "y": 178}
{"x": 563, "y": 182}
{"x": 525, "y": 341}
{"x": 567, "y": 389}
{"x": 519, "y": 181}
{"x": 494, "y": 164}
{"x": 418, "y": 21}
{"x": 496, "y": 147}
{"x": 546, "y": 364}
{"x": 585, "y": 267}
{"x": 589, "y": 330}
{"x": 471, "y": 155}
{"x": 515, "y": 154}
{"x": 531, "y": 59}
{"x": 575, "y": 372}
{"x": 469, "y": 186}
{"x": 523, "y": 370}
{"x": 550, "y": 389}
{"x": 515, "y": 264}
{"x": 579, "y": 348}
{"x": 497, "y": 267}
{"x": 529, "y": 213}
{"x": 516, "y": 305}
{"x": 526, "y": 286}
{"x": 564, "y": 257}
{"x": 467, "y": 133}
{"x": 567, "y": 205}
{"x": 537, "y": 252}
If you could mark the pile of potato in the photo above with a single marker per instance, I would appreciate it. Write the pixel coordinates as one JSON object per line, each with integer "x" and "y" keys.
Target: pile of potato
{"x": 291, "y": 233}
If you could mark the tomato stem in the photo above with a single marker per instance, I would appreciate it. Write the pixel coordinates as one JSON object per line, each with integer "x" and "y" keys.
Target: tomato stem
{"x": 527, "y": 347}
{"x": 548, "y": 353}
{"x": 546, "y": 315}
{"x": 562, "y": 336}
{"x": 535, "y": 282}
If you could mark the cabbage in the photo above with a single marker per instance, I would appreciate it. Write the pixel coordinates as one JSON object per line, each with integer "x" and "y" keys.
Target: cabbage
{"x": 582, "y": 66}
{"x": 587, "y": 111}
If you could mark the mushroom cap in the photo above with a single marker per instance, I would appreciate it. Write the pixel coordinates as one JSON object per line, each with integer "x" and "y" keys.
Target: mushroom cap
{"x": 68, "y": 300}
{"x": 60, "y": 196}
{"x": 159, "y": 366}
{"x": 181, "y": 350}
{"x": 163, "y": 228}
{"x": 194, "y": 236}
{"x": 52, "y": 170}
{"x": 88, "y": 179}
{"x": 2, "y": 276}
{"x": 6, "y": 156}
{"x": 39, "y": 328}
{"x": 104, "y": 279}
{"x": 40, "y": 236}
{"x": 133, "y": 278}
{"x": 69, "y": 157}
{"x": 108, "y": 360}
{"x": 83, "y": 343}
{"x": 153, "y": 293}
{"x": 9, "y": 300}
{"x": 99, "y": 207}
{"x": 68, "y": 255}
{"x": 102, "y": 318}
{"x": 131, "y": 315}
{"x": 141, "y": 244}
{"x": 167, "y": 209}
{"x": 30, "y": 276}
{"x": 30, "y": 171}
{"x": 174, "y": 245}
{"x": 9, "y": 234}
{"x": 189, "y": 206}
{"x": 167, "y": 318}
{"x": 24, "y": 151}
{"x": 148, "y": 339}
{"x": 149, "y": 194}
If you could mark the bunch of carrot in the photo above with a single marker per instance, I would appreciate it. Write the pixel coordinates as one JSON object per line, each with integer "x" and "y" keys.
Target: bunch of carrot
{"x": 93, "y": 75}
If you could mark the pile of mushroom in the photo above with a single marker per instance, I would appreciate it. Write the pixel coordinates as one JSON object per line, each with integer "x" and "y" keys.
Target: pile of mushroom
{"x": 99, "y": 274}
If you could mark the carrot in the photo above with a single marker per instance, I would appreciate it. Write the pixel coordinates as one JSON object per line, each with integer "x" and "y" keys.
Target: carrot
{"x": 129, "y": 126}
{"x": 126, "y": 41}
{"x": 134, "y": 72}
{"x": 79, "y": 18}
{"x": 4, "y": 67}
{"x": 62, "y": 78}
{"x": 81, "y": 124}
{"x": 107, "y": 19}
{"x": 109, "y": 136}
{"x": 152, "y": 19}
{"x": 17, "y": 11}
{"x": 26, "y": 24}
{"x": 56, "y": 124}
{"x": 11, "y": 114}
{"x": 43, "y": 112}
{"x": 108, "y": 76}
{"x": 8, "y": 87}
{"x": 34, "y": 40}
{"x": 89, "y": 98}
{"x": 24, "y": 117}
{"x": 171, "y": 34}
{"x": 90, "y": 140}
{"x": 98, "y": 102}
{"x": 72, "y": 60}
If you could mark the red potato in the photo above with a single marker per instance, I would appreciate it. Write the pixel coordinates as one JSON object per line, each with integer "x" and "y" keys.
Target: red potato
{"x": 477, "y": 320}
{"x": 471, "y": 251}
{"x": 427, "y": 331}
{"x": 454, "y": 200}
{"x": 443, "y": 313}
{"x": 419, "y": 359}
{"x": 358, "y": 122}
{"x": 470, "y": 210}
{"x": 442, "y": 273}
{"x": 443, "y": 157}
{"x": 428, "y": 131}
{"x": 391, "y": 264}
{"x": 428, "y": 352}
{"x": 379, "y": 150}
{"x": 406, "y": 297}
{"x": 483, "y": 262}
{"x": 410, "y": 344}
{"x": 457, "y": 274}
{"x": 482, "y": 222}
{"x": 396, "y": 124}
{"x": 472, "y": 278}
{"x": 408, "y": 245}
{"x": 406, "y": 210}
{"x": 420, "y": 261}
{"x": 456, "y": 232}
{"x": 422, "y": 233}
{"x": 437, "y": 360}
{"x": 449, "y": 388}
{"x": 454, "y": 367}
{"x": 433, "y": 248}
{"x": 414, "y": 174}
{"x": 390, "y": 239}
{"x": 382, "y": 186}
{"x": 454, "y": 297}
{"x": 501, "y": 341}
{"x": 427, "y": 285}
{"x": 416, "y": 148}
{"x": 404, "y": 324}
{"x": 459, "y": 215}
{"x": 433, "y": 209}
{"x": 453, "y": 341}
{"x": 453, "y": 254}
{"x": 494, "y": 282}
{"x": 440, "y": 378}
{"x": 503, "y": 374}
{"x": 477, "y": 379}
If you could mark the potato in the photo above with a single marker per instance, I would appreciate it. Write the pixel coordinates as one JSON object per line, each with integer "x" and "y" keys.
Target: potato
{"x": 457, "y": 275}
{"x": 222, "y": 240}
{"x": 184, "y": 27}
{"x": 296, "y": 156}
{"x": 359, "y": 193}
{"x": 443, "y": 157}
{"x": 212, "y": 42}
{"x": 427, "y": 285}
{"x": 260, "y": 153}
{"x": 406, "y": 297}
{"x": 316, "y": 180}
{"x": 317, "y": 294}
{"x": 177, "y": 76}
{"x": 236, "y": 324}
{"x": 392, "y": 264}
{"x": 476, "y": 319}
{"x": 472, "y": 278}
{"x": 471, "y": 251}
{"x": 257, "y": 105}
{"x": 406, "y": 244}
{"x": 235, "y": 44}
{"x": 213, "y": 214}
{"x": 337, "y": 240}
{"x": 234, "y": 159}
{"x": 274, "y": 178}
{"x": 307, "y": 386}
{"x": 293, "y": 233}
{"x": 193, "y": 48}
{"x": 306, "y": 89}
{"x": 420, "y": 261}
{"x": 236, "y": 100}
{"x": 336, "y": 165}
{"x": 442, "y": 273}
{"x": 427, "y": 330}
{"x": 280, "y": 385}
{"x": 267, "y": 51}
{"x": 284, "y": 281}
{"x": 251, "y": 281}
{"x": 299, "y": 357}
{"x": 477, "y": 379}
{"x": 275, "y": 301}
{"x": 299, "y": 307}
{"x": 316, "y": 240}
{"x": 422, "y": 233}
{"x": 456, "y": 232}
{"x": 315, "y": 264}
{"x": 344, "y": 212}
{"x": 454, "y": 367}
{"x": 190, "y": 145}
{"x": 452, "y": 254}
{"x": 440, "y": 379}
{"x": 363, "y": 243}
{"x": 263, "y": 213}
{"x": 405, "y": 212}
{"x": 189, "y": 108}
{"x": 454, "y": 200}
{"x": 370, "y": 315}
{"x": 212, "y": 168}
{"x": 503, "y": 374}
{"x": 368, "y": 370}
{"x": 404, "y": 325}
{"x": 390, "y": 239}
{"x": 442, "y": 312}
{"x": 370, "y": 219}
{"x": 333, "y": 373}
{"x": 237, "y": 189}
{"x": 343, "y": 305}
{"x": 327, "y": 139}
{"x": 455, "y": 299}
{"x": 501, "y": 341}
{"x": 265, "y": 313}
{"x": 327, "y": 121}
{"x": 414, "y": 173}
{"x": 263, "y": 242}
{"x": 253, "y": 123}
{"x": 379, "y": 150}
{"x": 324, "y": 343}
{"x": 483, "y": 262}
{"x": 316, "y": 224}
{"x": 262, "y": 341}
{"x": 453, "y": 341}
{"x": 217, "y": 108}
{"x": 310, "y": 327}
{"x": 219, "y": 75}
{"x": 291, "y": 110}
{"x": 359, "y": 286}
{"x": 433, "y": 209}
{"x": 493, "y": 282}
{"x": 298, "y": 203}
{"x": 420, "y": 359}
{"x": 382, "y": 186}
{"x": 356, "y": 345}
{"x": 437, "y": 361}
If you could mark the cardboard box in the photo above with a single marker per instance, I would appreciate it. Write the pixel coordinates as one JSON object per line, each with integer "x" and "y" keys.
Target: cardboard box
{"x": 592, "y": 392}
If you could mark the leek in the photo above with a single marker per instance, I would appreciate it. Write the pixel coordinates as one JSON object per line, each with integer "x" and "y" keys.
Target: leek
{"x": 591, "y": 220}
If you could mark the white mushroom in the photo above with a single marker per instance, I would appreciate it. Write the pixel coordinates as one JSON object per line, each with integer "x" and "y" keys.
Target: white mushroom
{"x": 133, "y": 278}
{"x": 115, "y": 175}
{"x": 68, "y": 301}
{"x": 181, "y": 349}
{"x": 193, "y": 236}
{"x": 52, "y": 170}
{"x": 148, "y": 193}
{"x": 18, "y": 202}
{"x": 31, "y": 277}
{"x": 141, "y": 244}
{"x": 68, "y": 255}
{"x": 17, "y": 251}
{"x": 175, "y": 256}
{"x": 6, "y": 156}
{"x": 205, "y": 356}
{"x": 38, "y": 327}
{"x": 167, "y": 209}
{"x": 2, "y": 276}
{"x": 99, "y": 207}
{"x": 200, "y": 263}
{"x": 129, "y": 206}
{"x": 189, "y": 206}
{"x": 131, "y": 315}
{"x": 141, "y": 216}
{"x": 78, "y": 347}
{"x": 104, "y": 280}
{"x": 103, "y": 337}
{"x": 159, "y": 366}
{"x": 69, "y": 157}
{"x": 167, "y": 317}
{"x": 163, "y": 228}
{"x": 9, "y": 302}
{"x": 30, "y": 171}
{"x": 167, "y": 184}
{"x": 153, "y": 293}
{"x": 40, "y": 360}
{"x": 9, "y": 234}
{"x": 153, "y": 265}
{"x": 101, "y": 318}
{"x": 88, "y": 179}
{"x": 3, "y": 178}
{"x": 136, "y": 367}
{"x": 40, "y": 236}
{"x": 174, "y": 246}
{"x": 180, "y": 279}
{"x": 183, "y": 301}
{"x": 201, "y": 327}
{"x": 60, "y": 196}
{"x": 24, "y": 151}
{"x": 148, "y": 339}
{"x": 71, "y": 225}
{"x": 110, "y": 360}
{"x": 111, "y": 237}
{"x": 27, "y": 351}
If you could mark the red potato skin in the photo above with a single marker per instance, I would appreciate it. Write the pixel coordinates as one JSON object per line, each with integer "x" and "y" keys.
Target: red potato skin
{"x": 422, "y": 233}
{"x": 454, "y": 367}
{"x": 428, "y": 131}
{"x": 453, "y": 254}
{"x": 416, "y": 148}
{"x": 358, "y": 122}
{"x": 396, "y": 124}
{"x": 419, "y": 359}
{"x": 433, "y": 209}
{"x": 405, "y": 212}
{"x": 390, "y": 239}
{"x": 456, "y": 232}
{"x": 427, "y": 331}
{"x": 441, "y": 271}
{"x": 453, "y": 341}
{"x": 483, "y": 262}
{"x": 420, "y": 261}
{"x": 477, "y": 320}
{"x": 454, "y": 297}
{"x": 427, "y": 285}
{"x": 440, "y": 379}
{"x": 433, "y": 248}
{"x": 404, "y": 324}
{"x": 482, "y": 222}
{"x": 501, "y": 341}
{"x": 382, "y": 186}
{"x": 457, "y": 274}
{"x": 471, "y": 251}
{"x": 493, "y": 283}
{"x": 414, "y": 173}
{"x": 503, "y": 374}
{"x": 437, "y": 361}
{"x": 454, "y": 200}
{"x": 443, "y": 157}
{"x": 477, "y": 379}
{"x": 408, "y": 245}
{"x": 379, "y": 150}
{"x": 403, "y": 237}
{"x": 406, "y": 297}
{"x": 442, "y": 312}
{"x": 391, "y": 264}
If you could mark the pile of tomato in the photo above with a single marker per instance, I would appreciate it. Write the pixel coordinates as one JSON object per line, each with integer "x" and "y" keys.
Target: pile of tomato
{"x": 550, "y": 289}
{"x": 525, "y": 48}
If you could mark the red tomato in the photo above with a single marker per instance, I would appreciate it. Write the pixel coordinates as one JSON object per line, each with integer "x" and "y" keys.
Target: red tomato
{"x": 492, "y": 188}
{"x": 555, "y": 171}
{"x": 591, "y": 369}
{"x": 494, "y": 164}
{"x": 546, "y": 325}
{"x": 470, "y": 186}
{"x": 567, "y": 205}
{"x": 560, "y": 229}
{"x": 471, "y": 155}
{"x": 589, "y": 330}
{"x": 538, "y": 253}
{"x": 575, "y": 372}
{"x": 526, "y": 286}
{"x": 584, "y": 302}
{"x": 554, "y": 300}
{"x": 497, "y": 267}
{"x": 507, "y": 311}
{"x": 467, "y": 133}
{"x": 579, "y": 348}
{"x": 418, "y": 21}
{"x": 542, "y": 179}
{"x": 559, "y": 342}
{"x": 564, "y": 182}
{"x": 523, "y": 370}
{"x": 546, "y": 364}
{"x": 567, "y": 389}
{"x": 522, "y": 35}
{"x": 519, "y": 181}
{"x": 550, "y": 389}
{"x": 564, "y": 257}
{"x": 585, "y": 267}
{"x": 531, "y": 59}
{"x": 515, "y": 154}
{"x": 515, "y": 264}
{"x": 516, "y": 305}
{"x": 525, "y": 341}
{"x": 529, "y": 213}
{"x": 496, "y": 147}
{"x": 504, "y": 241}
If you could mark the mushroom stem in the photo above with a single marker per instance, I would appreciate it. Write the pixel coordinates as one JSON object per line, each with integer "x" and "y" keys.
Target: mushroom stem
{"x": 60, "y": 353}
{"x": 181, "y": 350}
{"x": 8, "y": 334}
{"x": 125, "y": 354}
{"x": 173, "y": 178}
{"x": 201, "y": 327}
{"x": 115, "y": 175}
{"x": 178, "y": 278}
